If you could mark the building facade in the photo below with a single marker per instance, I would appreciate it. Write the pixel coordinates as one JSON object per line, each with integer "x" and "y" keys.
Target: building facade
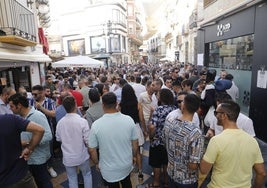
{"x": 233, "y": 38}
{"x": 105, "y": 30}
{"x": 22, "y": 57}
{"x": 175, "y": 39}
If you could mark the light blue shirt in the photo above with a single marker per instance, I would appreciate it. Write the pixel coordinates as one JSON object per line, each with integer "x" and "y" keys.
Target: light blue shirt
{"x": 113, "y": 135}
{"x": 41, "y": 152}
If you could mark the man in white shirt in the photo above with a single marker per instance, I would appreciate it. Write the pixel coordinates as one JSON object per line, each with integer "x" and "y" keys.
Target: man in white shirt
{"x": 233, "y": 91}
{"x": 178, "y": 113}
{"x": 73, "y": 132}
{"x": 243, "y": 122}
{"x": 138, "y": 87}
{"x": 148, "y": 102}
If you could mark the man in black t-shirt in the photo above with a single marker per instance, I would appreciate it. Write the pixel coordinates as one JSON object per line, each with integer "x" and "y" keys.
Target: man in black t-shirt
{"x": 13, "y": 167}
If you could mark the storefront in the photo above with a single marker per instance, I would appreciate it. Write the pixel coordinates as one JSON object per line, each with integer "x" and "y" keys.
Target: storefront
{"x": 22, "y": 68}
{"x": 237, "y": 42}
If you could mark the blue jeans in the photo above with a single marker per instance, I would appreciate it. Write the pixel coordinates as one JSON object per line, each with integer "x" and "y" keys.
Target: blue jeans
{"x": 86, "y": 172}
{"x": 41, "y": 175}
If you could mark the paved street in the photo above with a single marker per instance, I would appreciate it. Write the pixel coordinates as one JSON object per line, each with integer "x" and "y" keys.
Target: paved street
{"x": 61, "y": 180}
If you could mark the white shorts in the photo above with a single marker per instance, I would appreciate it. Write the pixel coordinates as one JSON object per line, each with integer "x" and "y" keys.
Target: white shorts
{"x": 140, "y": 134}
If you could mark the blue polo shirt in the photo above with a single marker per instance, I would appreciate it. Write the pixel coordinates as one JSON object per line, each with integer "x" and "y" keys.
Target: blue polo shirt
{"x": 12, "y": 168}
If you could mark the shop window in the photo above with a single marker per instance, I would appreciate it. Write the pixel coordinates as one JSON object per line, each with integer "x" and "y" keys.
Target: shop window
{"x": 235, "y": 53}
{"x": 235, "y": 56}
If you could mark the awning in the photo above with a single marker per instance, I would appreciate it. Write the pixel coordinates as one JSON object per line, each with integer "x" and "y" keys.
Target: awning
{"x": 102, "y": 56}
{"x": 17, "y": 57}
{"x": 78, "y": 61}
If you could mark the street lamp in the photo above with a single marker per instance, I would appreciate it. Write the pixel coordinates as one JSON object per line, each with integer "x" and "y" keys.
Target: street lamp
{"x": 108, "y": 30}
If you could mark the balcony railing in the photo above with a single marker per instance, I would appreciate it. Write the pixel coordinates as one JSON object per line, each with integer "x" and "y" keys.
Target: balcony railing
{"x": 17, "y": 25}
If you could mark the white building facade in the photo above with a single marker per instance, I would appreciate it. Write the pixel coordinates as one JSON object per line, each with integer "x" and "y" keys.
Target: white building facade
{"x": 22, "y": 59}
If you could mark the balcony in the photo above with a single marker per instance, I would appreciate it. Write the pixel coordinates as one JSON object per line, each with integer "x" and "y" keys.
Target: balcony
{"x": 17, "y": 25}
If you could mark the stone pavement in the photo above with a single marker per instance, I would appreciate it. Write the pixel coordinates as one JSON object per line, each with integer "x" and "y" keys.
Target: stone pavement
{"x": 61, "y": 180}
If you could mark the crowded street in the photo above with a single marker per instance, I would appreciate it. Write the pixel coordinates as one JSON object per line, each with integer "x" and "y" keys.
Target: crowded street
{"x": 133, "y": 94}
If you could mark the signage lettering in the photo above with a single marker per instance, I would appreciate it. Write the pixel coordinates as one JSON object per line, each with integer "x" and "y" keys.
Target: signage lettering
{"x": 223, "y": 28}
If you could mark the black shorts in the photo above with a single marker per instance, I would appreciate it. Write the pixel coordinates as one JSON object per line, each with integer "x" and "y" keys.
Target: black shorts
{"x": 158, "y": 156}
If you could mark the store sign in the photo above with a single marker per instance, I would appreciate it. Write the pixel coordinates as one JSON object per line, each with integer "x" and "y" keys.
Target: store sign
{"x": 223, "y": 28}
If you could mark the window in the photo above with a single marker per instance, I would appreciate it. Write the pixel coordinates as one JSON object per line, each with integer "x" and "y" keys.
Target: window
{"x": 130, "y": 10}
{"x": 235, "y": 53}
{"x": 76, "y": 47}
{"x": 123, "y": 47}
{"x": 116, "y": 15}
{"x": 235, "y": 56}
{"x": 115, "y": 43}
{"x": 98, "y": 44}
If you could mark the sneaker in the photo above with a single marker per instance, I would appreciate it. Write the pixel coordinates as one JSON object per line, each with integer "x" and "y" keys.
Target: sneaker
{"x": 140, "y": 176}
{"x": 52, "y": 172}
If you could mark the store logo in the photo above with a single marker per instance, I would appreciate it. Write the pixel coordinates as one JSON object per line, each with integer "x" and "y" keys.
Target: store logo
{"x": 223, "y": 28}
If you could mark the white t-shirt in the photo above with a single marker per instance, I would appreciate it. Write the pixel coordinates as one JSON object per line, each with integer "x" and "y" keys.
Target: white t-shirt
{"x": 138, "y": 89}
{"x": 233, "y": 92}
{"x": 243, "y": 122}
{"x": 178, "y": 113}
{"x": 147, "y": 103}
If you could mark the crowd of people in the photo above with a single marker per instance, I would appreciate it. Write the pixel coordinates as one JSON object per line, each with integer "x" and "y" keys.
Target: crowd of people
{"x": 106, "y": 116}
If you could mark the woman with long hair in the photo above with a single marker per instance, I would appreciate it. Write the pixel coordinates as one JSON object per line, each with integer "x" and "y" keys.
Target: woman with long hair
{"x": 130, "y": 106}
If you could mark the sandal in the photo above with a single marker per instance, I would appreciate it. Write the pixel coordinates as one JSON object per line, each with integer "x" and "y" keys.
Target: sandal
{"x": 151, "y": 185}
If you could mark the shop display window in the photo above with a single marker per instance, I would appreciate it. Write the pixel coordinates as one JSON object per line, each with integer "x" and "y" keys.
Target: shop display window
{"x": 235, "y": 53}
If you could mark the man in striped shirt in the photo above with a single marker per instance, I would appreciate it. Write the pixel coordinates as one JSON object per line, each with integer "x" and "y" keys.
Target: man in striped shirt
{"x": 184, "y": 144}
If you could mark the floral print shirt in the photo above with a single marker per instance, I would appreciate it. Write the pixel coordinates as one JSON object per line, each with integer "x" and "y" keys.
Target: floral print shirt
{"x": 158, "y": 120}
